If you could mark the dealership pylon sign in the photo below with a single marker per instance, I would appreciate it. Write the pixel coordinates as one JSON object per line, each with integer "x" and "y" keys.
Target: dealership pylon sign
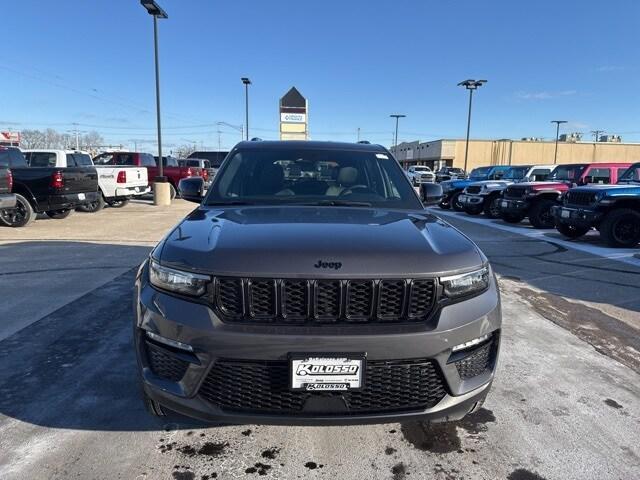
{"x": 293, "y": 116}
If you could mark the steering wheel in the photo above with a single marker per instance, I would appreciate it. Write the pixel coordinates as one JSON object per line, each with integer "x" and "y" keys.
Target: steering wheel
{"x": 360, "y": 189}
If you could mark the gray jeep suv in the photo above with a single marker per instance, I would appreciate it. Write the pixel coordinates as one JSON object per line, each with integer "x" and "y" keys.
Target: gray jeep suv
{"x": 312, "y": 287}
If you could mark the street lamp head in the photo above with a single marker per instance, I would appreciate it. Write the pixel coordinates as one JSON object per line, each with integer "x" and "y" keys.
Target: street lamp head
{"x": 396, "y": 115}
{"x": 154, "y": 9}
{"x": 471, "y": 84}
{"x": 246, "y": 81}
{"x": 558, "y": 122}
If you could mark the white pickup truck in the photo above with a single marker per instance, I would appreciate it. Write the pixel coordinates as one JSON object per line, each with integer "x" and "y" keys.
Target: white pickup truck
{"x": 116, "y": 184}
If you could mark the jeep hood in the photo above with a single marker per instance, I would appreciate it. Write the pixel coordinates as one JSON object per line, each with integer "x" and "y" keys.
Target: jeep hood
{"x": 289, "y": 241}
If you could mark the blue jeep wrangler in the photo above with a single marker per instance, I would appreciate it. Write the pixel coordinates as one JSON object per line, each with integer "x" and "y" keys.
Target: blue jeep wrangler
{"x": 613, "y": 209}
{"x": 452, "y": 189}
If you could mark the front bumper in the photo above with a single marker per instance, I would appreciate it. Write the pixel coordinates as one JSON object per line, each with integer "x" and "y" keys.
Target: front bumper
{"x": 257, "y": 347}
{"x": 468, "y": 200}
{"x": 514, "y": 206}
{"x": 7, "y": 200}
{"x": 576, "y": 216}
{"x": 132, "y": 191}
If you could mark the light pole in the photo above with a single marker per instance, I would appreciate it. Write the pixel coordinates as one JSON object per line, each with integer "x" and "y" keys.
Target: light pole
{"x": 596, "y": 134}
{"x": 246, "y": 83}
{"x": 557, "y": 122}
{"x": 395, "y": 138}
{"x": 161, "y": 193}
{"x": 470, "y": 85}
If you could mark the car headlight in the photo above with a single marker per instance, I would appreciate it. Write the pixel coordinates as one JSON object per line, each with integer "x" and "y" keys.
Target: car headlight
{"x": 465, "y": 284}
{"x": 185, "y": 283}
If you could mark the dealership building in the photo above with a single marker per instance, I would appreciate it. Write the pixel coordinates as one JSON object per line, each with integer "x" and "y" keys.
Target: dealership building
{"x": 451, "y": 152}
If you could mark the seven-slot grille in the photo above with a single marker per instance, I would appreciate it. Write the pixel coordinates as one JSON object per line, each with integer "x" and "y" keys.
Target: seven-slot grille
{"x": 253, "y": 386}
{"x": 294, "y": 301}
{"x": 580, "y": 198}
{"x": 473, "y": 189}
{"x": 515, "y": 192}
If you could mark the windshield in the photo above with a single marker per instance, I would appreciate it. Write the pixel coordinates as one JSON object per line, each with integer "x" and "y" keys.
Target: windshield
{"x": 632, "y": 174}
{"x": 516, "y": 173}
{"x": 422, "y": 169}
{"x": 566, "y": 173}
{"x": 313, "y": 177}
{"x": 479, "y": 172}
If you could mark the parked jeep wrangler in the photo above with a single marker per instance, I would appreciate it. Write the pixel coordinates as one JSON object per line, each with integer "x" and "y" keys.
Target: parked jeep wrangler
{"x": 311, "y": 286}
{"x": 485, "y": 196}
{"x": 535, "y": 199}
{"x": 452, "y": 189}
{"x": 614, "y": 210}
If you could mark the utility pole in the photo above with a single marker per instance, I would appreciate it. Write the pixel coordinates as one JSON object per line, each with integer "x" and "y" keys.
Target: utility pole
{"x": 395, "y": 138}
{"x": 596, "y": 134}
{"x": 470, "y": 85}
{"x": 557, "y": 122}
{"x": 246, "y": 82}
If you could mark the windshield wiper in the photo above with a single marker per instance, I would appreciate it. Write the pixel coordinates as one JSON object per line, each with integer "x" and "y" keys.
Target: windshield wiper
{"x": 336, "y": 203}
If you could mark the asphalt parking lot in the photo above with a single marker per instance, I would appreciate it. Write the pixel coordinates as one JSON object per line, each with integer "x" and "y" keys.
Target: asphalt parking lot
{"x": 565, "y": 403}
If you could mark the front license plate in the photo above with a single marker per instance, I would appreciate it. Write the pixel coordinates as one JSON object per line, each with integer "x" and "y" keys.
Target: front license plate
{"x": 504, "y": 204}
{"x": 565, "y": 213}
{"x": 81, "y": 196}
{"x": 327, "y": 373}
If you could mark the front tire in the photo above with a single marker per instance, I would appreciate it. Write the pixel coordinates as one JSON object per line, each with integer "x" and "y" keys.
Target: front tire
{"x": 621, "y": 228}
{"x": 455, "y": 202}
{"x": 473, "y": 210}
{"x": 492, "y": 207}
{"x": 540, "y": 214}
{"x": 571, "y": 231}
{"x": 153, "y": 407}
{"x": 20, "y": 216}
{"x": 58, "y": 214}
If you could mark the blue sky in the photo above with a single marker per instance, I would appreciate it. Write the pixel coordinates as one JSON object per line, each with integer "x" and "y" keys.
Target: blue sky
{"x": 357, "y": 61}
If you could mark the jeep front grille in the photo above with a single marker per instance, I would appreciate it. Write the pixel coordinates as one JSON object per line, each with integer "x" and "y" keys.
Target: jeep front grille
{"x": 293, "y": 301}
{"x": 253, "y": 386}
{"x": 580, "y": 198}
{"x": 515, "y": 192}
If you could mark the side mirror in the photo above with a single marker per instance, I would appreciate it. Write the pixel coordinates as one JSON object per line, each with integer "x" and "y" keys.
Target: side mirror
{"x": 192, "y": 189}
{"x": 430, "y": 193}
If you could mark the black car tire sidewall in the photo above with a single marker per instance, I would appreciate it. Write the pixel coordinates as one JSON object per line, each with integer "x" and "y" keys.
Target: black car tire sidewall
{"x": 29, "y": 214}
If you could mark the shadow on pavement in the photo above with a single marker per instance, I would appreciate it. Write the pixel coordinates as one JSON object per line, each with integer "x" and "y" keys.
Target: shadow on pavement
{"x": 76, "y": 368}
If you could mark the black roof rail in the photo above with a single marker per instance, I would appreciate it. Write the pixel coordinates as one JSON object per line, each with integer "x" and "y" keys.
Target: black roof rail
{"x": 364, "y": 142}
{"x": 256, "y": 139}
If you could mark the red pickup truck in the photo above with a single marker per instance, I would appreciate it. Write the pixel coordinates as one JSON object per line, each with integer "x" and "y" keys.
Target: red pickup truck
{"x": 535, "y": 199}
{"x": 171, "y": 169}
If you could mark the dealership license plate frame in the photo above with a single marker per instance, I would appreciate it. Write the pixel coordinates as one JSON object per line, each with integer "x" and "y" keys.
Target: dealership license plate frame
{"x": 295, "y": 358}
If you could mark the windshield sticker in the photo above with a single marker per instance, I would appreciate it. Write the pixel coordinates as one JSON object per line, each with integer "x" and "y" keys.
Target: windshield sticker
{"x": 382, "y": 156}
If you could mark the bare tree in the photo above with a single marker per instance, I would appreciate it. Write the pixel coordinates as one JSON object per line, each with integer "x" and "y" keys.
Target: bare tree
{"x": 183, "y": 151}
{"x": 51, "y": 138}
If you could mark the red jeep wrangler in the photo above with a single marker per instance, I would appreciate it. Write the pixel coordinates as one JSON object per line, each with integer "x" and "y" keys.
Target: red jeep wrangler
{"x": 535, "y": 199}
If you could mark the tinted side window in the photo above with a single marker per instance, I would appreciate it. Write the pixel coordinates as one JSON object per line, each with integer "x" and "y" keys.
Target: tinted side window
{"x": 71, "y": 161}
{"x": 146, "y": 160}
{"x": 42, "y": 159}
{"x": 598, "y": 175}
{"x": 4, "y": 158}
{"x": 16, "y": 158}
{"x": 104, "y": 159}
{"x": 124, "y": 159}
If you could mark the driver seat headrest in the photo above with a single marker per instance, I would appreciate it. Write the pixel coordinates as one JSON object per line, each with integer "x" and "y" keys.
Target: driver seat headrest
{"x": 347, "y": 176}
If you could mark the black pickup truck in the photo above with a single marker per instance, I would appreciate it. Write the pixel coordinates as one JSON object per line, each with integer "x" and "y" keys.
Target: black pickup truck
{"x": 51, "y": 190}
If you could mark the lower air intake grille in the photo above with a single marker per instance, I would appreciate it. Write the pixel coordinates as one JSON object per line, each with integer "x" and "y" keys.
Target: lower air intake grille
{"x": 477, "y": 362}
{"x": 164, "y": 364}
{"x": 263, "y": 387}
